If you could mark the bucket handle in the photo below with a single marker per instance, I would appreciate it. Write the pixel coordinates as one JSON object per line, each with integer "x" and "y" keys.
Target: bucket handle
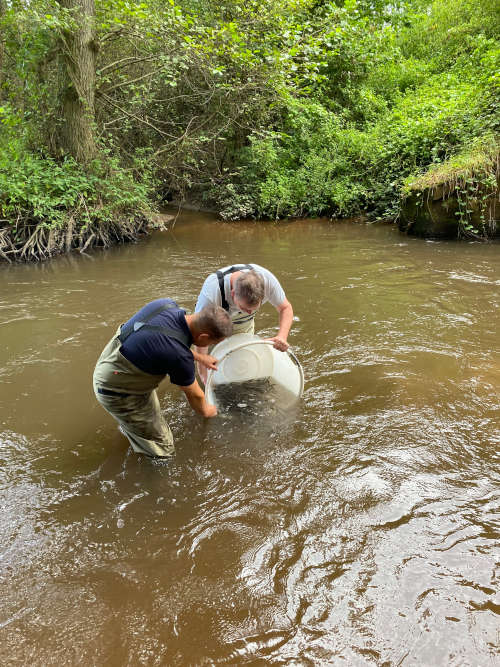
{"x": 257, "y": 342}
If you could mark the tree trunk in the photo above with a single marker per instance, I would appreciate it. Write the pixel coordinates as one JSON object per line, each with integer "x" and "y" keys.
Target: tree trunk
{"x": 77, "y": 137}
{"x": 2, "y": 44}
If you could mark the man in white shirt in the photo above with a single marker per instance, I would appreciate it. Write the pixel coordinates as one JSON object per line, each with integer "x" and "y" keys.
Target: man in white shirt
{"x": 241, "y": 289}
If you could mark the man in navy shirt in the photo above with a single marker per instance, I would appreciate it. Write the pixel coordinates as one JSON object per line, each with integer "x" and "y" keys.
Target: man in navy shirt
{"x": 156, "y": 342}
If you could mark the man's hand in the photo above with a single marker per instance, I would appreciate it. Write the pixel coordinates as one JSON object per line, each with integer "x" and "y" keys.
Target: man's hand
{"x": 279, "y": 343}
{"x": 286, "y": 318}
{"x": 196, "y": 399}
{"x": 207, "y": 360}
{"x": 203, "y": 361}
{"x": 211, "y": 411}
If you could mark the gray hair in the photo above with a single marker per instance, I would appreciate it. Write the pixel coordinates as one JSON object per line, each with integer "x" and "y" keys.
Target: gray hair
{"x": 249, "y": 287}
{"x": 214, "y": 321}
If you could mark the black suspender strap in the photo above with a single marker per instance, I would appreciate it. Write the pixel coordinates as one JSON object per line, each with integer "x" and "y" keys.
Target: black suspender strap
{"x": 220, "y": 278}
{"x": 126, "y": 331}
{"x": 171, "y": 333}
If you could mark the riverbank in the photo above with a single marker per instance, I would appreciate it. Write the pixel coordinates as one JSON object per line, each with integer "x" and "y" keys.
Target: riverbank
{"x": 458, "y": 198}
{"x": 60, "y": 208}
{"x": 269, "y": 111}
{"x": 424, "y": 215}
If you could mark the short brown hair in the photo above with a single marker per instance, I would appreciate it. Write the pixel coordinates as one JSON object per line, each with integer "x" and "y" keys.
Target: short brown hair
{"x": 214, "y": 321}
{"x": 249, "y": 287}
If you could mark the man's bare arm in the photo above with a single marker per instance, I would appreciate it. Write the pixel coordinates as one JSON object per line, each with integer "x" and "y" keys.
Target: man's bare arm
{"x": 285, "y": 311}
{"x": 196, "y": 399}
{"x": 200, "y": 354}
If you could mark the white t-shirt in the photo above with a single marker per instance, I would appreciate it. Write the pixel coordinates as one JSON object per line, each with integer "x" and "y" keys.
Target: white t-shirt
{"x": 210, "y": 293}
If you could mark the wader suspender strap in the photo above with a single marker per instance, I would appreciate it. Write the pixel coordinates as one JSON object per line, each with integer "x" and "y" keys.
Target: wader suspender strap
{"x": 220, "y": 278}
{"x": 178, "y": 335}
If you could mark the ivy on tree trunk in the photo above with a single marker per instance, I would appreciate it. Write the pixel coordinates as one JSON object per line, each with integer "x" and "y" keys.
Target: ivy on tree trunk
{"x": 2, "y": 44}
{"x": 79, "y": 58}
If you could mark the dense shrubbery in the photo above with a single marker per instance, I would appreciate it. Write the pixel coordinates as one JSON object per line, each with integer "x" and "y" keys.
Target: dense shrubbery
{"x": 47, "y": 204}
{"x": 431, "y": 90}
{"x": 257, "y": 108}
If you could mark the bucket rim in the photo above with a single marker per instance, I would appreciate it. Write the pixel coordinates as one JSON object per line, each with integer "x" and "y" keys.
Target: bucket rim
{"x": 291, "y": 354}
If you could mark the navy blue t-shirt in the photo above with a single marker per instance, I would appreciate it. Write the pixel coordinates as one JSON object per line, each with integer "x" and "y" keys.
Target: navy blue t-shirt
{"x": 157, "y": 353}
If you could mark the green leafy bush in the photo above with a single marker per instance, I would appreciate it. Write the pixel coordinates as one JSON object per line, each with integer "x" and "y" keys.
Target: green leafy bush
{"x": 47, "y": 191}
{"x": 256, "y": 107}
{"x": 41, "y": 195}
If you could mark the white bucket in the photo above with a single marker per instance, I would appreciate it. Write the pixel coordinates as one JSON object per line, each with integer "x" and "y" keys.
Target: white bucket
{"x": 245, "y": 357}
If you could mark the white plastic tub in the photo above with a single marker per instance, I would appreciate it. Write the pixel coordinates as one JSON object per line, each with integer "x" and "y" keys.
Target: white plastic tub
{"x": 245, "y": 357}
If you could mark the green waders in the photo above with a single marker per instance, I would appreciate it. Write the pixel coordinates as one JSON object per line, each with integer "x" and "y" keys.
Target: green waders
{"x": 129, "y": 395}
{"x": 244, "y": 327}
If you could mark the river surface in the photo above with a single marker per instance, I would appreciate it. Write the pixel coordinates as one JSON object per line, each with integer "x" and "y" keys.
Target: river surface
{"x": 359, "y": 527}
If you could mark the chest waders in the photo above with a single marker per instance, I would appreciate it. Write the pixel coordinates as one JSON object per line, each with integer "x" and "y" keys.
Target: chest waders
{"x": 129, "y": 394}
{"x": 242, "y": 322}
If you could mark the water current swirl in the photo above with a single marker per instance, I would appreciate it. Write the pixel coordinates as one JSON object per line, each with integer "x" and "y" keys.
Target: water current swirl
{"x": 359, "y": 527}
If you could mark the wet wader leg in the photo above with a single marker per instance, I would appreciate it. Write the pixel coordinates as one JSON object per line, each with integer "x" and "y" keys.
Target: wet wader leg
{"x": 140, "y": 419}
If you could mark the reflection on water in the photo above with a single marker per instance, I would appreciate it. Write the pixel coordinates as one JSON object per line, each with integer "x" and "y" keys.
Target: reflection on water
{"x": 358, "y": 526}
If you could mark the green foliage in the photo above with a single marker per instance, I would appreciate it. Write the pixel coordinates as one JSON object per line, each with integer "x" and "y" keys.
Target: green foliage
{"x": 450, "y": 31}
{"x": 263, "y": 108}
{"x": 40, "y": 190}
{"x": 305, "y": 169}
{"x": 388, "y": 106}
{"x": 471, "y": 177}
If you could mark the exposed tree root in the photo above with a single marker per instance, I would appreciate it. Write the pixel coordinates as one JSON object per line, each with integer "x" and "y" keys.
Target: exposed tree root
{"x": 30, "y": 242}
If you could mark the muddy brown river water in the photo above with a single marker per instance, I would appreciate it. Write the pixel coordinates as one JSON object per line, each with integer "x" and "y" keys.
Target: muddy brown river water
{"x": 358, "y": 528}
